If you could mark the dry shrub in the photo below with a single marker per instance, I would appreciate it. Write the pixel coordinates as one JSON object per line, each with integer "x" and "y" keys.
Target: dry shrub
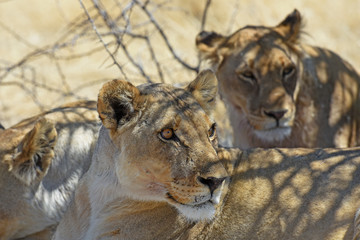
{"x": 54, "y": 51}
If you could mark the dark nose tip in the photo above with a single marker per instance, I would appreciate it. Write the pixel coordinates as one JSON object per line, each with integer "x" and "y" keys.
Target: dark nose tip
{"x": 212, "y": 182}
{"x": 276, "y": 114}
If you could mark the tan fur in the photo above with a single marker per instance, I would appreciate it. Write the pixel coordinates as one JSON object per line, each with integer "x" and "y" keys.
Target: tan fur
{"x": 38, "y": 174}
{"x": 134, "y": 161}
{"x": 31, "y": 159}
{"x": 281, "y": 92}
{"x": 356, "y": 235}
{"x": 273, "y": 194}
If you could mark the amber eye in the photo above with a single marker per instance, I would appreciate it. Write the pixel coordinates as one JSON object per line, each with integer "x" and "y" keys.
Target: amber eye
{"x": 248, "y": 76}
{"x": 212, "y": 131}
{"x": 167, "y": 133}
{"x": 288, "y": 71}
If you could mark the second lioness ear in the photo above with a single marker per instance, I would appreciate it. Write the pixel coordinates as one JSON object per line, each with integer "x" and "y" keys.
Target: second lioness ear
{"x": 35, "y": 152}
{"x": 204, "y": 89}
{"x": 119, "y": 103}
{"x": 290, "y": 27}
{"x": 208, "y": 44}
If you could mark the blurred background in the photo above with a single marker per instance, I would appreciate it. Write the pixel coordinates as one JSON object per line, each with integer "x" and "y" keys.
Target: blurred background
{"x": 56, "y": 51}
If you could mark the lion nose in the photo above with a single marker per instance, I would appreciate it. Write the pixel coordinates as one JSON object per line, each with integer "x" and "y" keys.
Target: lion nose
{"x": 276, "y": 114}
{"x": 212, "y": 182}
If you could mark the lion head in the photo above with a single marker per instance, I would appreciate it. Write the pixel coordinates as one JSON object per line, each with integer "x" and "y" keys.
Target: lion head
{"x": 277, "y": 88}
{"x": 164, "y": 143}
{"x": 25, "y": 158}
{"x": 157, "y": 145}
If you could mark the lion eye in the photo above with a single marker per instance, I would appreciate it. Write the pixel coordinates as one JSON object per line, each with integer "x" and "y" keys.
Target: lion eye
{"x": 288, "y": 71}
{"x": 167, "y": 133}
{"x": 248, "y": 76}
{"x": 212, "y": 131}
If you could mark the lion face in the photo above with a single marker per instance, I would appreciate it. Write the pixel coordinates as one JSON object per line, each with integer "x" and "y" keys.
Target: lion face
{"x": 260, "y": 82}
{"x": 258, "y": 75}
{"x": 166, "y": 143}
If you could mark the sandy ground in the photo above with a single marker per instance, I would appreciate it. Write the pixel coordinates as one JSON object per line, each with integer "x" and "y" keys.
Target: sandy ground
{"x": 45, "y": 61}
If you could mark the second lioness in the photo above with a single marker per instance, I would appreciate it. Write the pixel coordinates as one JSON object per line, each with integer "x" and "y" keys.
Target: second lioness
{"x": 41, "y": 161}
{"x": 281, "y": 92}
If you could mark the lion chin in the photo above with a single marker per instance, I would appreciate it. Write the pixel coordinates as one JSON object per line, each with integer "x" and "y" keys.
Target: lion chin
{"x": 273, "y": 134}
{"x": 198, "y": 212}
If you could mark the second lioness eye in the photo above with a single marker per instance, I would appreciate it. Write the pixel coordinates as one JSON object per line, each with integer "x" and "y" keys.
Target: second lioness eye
{"x": 167, "y": 133}
{"x": 288, "y": 71}
{"x": 248, "y": 74}
{"x": 212, "y": 130}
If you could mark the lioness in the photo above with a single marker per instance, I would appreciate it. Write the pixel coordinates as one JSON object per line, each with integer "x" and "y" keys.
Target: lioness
{"x": 280, "y": 92}
{"x": 38, "y": 175}
{"x": 157, "y": 144}
{"x": 157, "y": 173}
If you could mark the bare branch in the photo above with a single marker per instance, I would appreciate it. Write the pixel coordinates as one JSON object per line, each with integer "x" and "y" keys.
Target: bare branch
{"x": 28, "y": 91}
{"x": 163, "y": 35}
{"x": 153, "y": 56}
{"x": 233, "y": 17}
{"x": 128, "y": 30}
{"x": 114, "y": 29}
{"x": 203, "y": 19}
{"x": 20, "y": 63}
{"x": 102, "y": 41}
{"x": 202, "y": 27}
{"x": 17, "y": 36}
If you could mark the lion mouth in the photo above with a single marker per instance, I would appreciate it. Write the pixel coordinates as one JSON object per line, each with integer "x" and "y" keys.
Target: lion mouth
{"x": 198, "y": 200}
{"x": 273, "y": 134}
{"x": 197, "y": 211}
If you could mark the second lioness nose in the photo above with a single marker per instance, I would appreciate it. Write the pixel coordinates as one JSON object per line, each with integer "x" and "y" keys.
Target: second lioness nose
{"x": 275, "y": 114}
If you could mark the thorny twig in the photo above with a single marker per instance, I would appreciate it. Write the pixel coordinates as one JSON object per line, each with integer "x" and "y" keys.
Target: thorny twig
{"x": 203, "y": 22}
{"x": 163, "y": 35}
{"x": 114, "y": 30}
{"x": 232, "y": 18}
{"x": 102, "y": 41}
{"x": 203, "y": 19}
{"x": 115, "y": 24}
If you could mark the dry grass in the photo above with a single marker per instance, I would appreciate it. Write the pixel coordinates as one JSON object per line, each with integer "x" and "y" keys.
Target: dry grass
{"x": 50, "y": 53}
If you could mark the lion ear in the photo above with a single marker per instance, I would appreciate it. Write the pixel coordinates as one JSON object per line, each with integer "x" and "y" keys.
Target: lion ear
{"x": 119, "y": 102}
{"x": 208, "y": 44}
{"x": 290, "y": 27}
{"x": 204, "y": 89}
{"x": 34, "y": 153}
